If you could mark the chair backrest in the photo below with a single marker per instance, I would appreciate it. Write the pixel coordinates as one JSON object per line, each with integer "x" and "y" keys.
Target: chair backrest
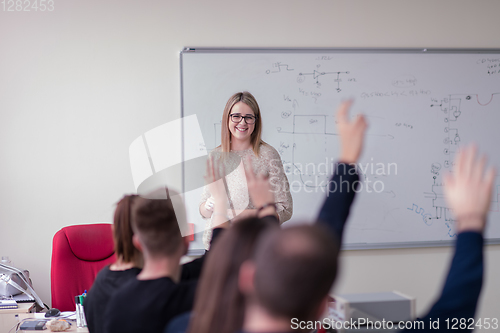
{"x": 79, "y": 252}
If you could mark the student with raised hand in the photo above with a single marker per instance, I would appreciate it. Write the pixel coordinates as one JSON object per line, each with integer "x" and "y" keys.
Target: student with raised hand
{"x": 293, "y": 269}
{"x": 128, "y": 264}
{"x": 343, "y": 185}
{"x": 468, "y": 191}
{"x": 287, "y": 281}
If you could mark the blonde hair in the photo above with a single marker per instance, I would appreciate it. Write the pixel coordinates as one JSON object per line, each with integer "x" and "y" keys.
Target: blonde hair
{"x": 255, "y": 139}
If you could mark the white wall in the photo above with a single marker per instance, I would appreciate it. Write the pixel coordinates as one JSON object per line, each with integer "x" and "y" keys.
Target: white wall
{"x": 78, "y": 84}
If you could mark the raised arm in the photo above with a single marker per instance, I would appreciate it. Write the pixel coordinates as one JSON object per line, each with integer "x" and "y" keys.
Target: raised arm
{"x": 206, "y": 203}
{"x": 260, "y": 193}
{"x": 343, "y": 184}
{"x": 468, "y": 193}
{"x": 213, "y": 179}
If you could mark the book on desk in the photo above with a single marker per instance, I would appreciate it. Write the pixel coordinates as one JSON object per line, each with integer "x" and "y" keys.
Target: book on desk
{"x": 8, "y": 304}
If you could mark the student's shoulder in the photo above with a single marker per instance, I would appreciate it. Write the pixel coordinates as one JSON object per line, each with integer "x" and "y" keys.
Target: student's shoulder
{"x": 185, "y": 290}
{"x": 136, "y": 289}
{"x": 143, "y": 287}
{"x": 103, "y": 274}
{"x": 116, "y": 278}
{"x": 102, "y": 278}
{"x": 192, "y": 269}
{"x": 187, "y": 284}
{"x": 100, "y": 284}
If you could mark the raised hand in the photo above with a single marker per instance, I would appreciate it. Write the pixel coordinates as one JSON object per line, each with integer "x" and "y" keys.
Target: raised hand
{"x": 352, "y": 133}
{"x": 259, "y": 189}
{"x": 468, "y": 190}
{"x": 214, "y": 181}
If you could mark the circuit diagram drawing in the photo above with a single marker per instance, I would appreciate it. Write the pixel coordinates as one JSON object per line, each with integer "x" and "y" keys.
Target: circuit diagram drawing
{"x": 452, "y": 108}
{"x": 305, "y": 140}
{"x": 277, "y": 66}
{"x": 308, "y": 148}
{"x": 317, "y": 74}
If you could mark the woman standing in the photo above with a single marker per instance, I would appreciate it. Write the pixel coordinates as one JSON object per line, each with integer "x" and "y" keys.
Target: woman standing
{"x": 241, "y": 143}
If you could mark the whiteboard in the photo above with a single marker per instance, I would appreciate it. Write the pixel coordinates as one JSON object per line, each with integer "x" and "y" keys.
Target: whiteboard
{"x": 421, "y": 105}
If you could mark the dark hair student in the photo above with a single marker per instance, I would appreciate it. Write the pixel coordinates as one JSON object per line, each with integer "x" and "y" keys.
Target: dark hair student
{"x": 219, "y": 306}
{"x": 128, "y": 264}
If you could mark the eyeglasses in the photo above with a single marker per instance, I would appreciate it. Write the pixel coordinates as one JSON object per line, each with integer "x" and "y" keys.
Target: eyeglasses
{"x": 236, "y": 118}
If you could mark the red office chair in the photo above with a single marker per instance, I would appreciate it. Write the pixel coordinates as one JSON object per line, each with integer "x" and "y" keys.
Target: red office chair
{"x": 78, "y": 254}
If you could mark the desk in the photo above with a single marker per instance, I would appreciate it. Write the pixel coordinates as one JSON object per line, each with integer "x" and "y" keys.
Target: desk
{"x": 72, "y": 329}
{"x": 25, "y": 311}
{"x": 8, "y": 316}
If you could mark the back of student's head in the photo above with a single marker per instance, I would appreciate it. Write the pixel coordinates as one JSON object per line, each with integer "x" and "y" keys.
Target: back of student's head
{"x": 122, "y": 232}
{"x": 156, "y": 224}
{"x": 294, "y": 271}
{"x": 219, "y": 305}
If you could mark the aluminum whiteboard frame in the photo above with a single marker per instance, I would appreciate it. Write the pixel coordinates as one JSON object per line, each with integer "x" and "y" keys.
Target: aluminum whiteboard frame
{"x": 223, "y": 50}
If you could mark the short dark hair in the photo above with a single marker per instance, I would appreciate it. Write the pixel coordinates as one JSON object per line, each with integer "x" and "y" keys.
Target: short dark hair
{"x": 295, "y": 269}
{"x": 155, "y": 223}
